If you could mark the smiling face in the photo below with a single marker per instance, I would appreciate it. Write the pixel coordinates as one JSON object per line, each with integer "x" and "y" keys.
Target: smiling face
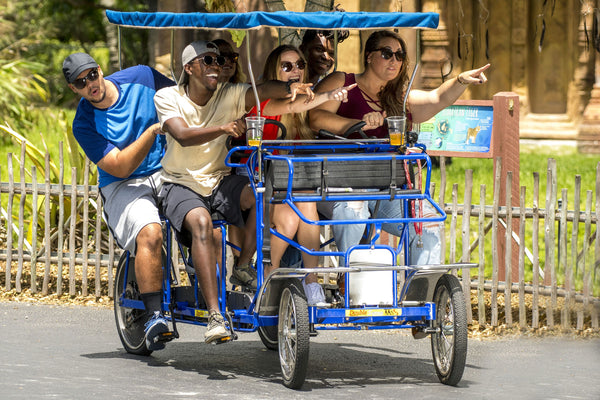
{"x": 319, "y": 54}
{"x": 228, "y": 69}
{"x": 295, "y": 60}
{"x": 203, "y": 75}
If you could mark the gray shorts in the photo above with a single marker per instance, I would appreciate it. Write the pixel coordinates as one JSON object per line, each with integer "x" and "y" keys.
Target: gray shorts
{"x": 178, "y": 200}
{"x": 130, "y": 205}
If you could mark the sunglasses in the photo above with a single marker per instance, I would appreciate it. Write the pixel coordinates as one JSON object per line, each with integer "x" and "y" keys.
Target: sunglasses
{"x": 233, "y": 57}
{"x": 210, "y": 60}
{"x": 387, "y": 53}
{"x": 91, "y": 76}
{"x": 287, "y": 66}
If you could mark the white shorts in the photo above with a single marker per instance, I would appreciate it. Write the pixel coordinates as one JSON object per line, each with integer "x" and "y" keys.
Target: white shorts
{"x": 130, "y": 205}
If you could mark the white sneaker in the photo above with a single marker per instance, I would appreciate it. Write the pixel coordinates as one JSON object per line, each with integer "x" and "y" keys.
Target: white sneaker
{"x": 314, "y": 294}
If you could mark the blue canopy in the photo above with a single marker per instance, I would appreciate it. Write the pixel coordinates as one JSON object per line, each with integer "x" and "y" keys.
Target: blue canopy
{"x": 279, "y": 19}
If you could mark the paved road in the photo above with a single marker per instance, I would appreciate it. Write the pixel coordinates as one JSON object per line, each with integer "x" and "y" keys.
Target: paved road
{"x": 75, "y": 353}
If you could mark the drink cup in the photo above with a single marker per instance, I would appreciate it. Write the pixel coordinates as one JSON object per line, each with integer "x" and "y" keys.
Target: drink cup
{"x": 254, "y": 130}
{"x": 396, "y": 128}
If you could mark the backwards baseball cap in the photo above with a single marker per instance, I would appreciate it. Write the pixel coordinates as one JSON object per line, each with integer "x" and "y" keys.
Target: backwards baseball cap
{"x": 192, "y": 51}
{"x": 75, "y": 64}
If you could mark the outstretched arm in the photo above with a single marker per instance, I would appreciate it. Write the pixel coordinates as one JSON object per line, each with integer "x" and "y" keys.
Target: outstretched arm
{"x": 304, "y": 103}
{"x": 277, "y": 90}
{"x": 424, "y": 105}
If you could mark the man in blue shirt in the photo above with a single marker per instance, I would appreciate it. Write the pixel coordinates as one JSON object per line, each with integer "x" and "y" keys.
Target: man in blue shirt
{"x": 117, "y": 128}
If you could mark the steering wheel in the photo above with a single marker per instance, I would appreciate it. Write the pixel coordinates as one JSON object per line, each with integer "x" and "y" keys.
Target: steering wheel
{"x": 356, "y": 128}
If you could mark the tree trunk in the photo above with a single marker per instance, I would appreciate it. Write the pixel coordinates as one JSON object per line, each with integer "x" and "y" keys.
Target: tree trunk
{"x": 111, "y": 38}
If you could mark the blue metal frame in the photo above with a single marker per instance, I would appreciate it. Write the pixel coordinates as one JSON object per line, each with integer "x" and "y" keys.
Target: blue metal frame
{"x": 394, "y": 316}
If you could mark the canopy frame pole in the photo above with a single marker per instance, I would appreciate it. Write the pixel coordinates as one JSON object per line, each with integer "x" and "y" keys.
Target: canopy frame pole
{"x": 172, "y": 59}
{"x": 119, "y": 45}
{"x": 335, "y": 49}
{"x": 258, "y": 111}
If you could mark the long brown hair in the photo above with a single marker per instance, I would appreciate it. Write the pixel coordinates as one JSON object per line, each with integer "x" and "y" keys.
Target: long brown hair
{"x": 392, "y": 94}
{"x": 296, "y": 124}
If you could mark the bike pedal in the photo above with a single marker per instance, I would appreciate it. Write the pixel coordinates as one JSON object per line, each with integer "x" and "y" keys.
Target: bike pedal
{"x": 166, "y": 336}
{"x": 222, "y": 340}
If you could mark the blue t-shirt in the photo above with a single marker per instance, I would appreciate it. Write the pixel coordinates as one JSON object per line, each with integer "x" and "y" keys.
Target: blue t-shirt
{"x": 98, "y": 131}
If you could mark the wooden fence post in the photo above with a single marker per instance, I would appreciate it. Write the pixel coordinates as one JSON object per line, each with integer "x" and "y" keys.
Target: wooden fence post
{"x": 506, "y": 146}
{"x": 535, "y": 307}
{"x": 522, "y": 311}
{"x": 61, "y": 219}
{"x": 34, "y": 223}
{"x": 508, "y": 252}
{"x": 495, "y": 236}
{"x": 562, "y": 243}
{"x": 47, "y": 249}
{"x": 481, "y": 272}
{"x": 86, "y": 217}
{"x": 9, "y": 225}
{"x": 21, "y": 240}
{"x": 72, "y": 228}
{"x": 466, "y": 233}
{"x": 549, "y": 240}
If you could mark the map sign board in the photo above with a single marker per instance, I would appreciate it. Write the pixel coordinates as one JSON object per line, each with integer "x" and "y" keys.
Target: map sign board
{"x": 463, "y": 130}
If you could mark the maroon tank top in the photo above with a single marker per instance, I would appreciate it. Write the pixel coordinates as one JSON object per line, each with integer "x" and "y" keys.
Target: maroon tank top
{"x": 356, "y": 107}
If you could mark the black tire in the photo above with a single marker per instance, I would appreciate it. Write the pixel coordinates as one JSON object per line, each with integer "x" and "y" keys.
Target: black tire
{"x": 268, "y": 335}
{"x": 449, "y": 344}
{"x": 293, "y": 334}
{"x": 130, "y": 321}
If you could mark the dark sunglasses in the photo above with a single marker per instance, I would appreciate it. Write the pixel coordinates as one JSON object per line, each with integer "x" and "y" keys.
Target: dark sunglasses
{"x": 387, "y": 53}
{"x": 287, "y": 66}
{"x": 91, "y": 76}
{"x": 233, "y": 57}
{"x": 209, "y": 60}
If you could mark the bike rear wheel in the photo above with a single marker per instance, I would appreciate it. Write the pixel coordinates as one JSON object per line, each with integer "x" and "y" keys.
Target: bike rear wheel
{"x": 130, "y": 321}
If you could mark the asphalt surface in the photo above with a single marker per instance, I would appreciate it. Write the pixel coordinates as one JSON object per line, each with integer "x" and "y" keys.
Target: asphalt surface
{"x": 75, "y": 353}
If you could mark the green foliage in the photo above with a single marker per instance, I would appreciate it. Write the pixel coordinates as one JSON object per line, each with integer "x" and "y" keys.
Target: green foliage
{"x": 21, "y": 85}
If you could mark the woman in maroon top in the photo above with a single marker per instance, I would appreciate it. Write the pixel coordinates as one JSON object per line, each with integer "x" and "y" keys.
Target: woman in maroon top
{"x": 381, "y": 92}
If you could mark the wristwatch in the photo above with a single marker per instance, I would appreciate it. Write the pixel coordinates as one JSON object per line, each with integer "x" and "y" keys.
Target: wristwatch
{"x": 288, "y": 85}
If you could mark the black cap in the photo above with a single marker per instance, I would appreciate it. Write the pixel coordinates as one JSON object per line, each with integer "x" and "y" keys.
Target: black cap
{"x": 75, "y": 64}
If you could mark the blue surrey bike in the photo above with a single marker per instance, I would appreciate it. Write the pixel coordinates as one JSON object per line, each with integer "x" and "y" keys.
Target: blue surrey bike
{"x": 428, "y": 299}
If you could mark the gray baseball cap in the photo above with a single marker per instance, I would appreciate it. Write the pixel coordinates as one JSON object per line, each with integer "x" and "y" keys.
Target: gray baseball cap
{"x": 75, "y": 64}
{"x": 192, "y": 51}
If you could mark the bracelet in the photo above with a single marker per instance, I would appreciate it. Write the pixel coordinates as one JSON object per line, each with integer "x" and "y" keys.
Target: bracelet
{"x": 288, "y": 85}
{"x": 461, "y": 81}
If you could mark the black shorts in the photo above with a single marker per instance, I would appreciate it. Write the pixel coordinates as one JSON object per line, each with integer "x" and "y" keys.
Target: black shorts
{"x": 177, "y": 200}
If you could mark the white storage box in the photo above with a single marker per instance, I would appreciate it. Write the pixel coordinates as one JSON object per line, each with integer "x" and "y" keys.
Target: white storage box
{"x": 371, "y": 287}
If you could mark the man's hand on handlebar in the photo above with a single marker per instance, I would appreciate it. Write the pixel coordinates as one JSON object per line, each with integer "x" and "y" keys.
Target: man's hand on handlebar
{"x": 373, "y": 120}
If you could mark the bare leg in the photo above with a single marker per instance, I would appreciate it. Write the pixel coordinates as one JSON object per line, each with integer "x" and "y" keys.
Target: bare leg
{"x": 309, "y": 237}
{"x": 198, "y": 221}
{"x": 236, "y": 236}
{"x": 286, "y": 222}
{"x": 148, "y": 258}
